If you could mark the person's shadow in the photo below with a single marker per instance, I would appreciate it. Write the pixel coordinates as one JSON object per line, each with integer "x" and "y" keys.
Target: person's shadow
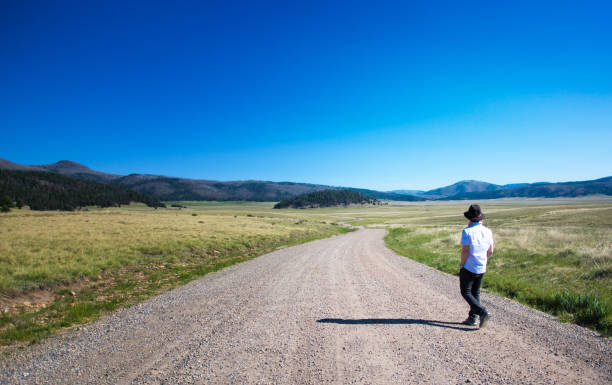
{"x": 396, "y": 321}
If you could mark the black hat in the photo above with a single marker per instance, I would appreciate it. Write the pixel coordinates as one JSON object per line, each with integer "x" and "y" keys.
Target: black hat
{"x": 474, "y": 213}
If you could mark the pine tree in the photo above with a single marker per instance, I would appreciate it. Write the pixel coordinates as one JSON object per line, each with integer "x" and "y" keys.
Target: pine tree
{"x": 6, "y": 201}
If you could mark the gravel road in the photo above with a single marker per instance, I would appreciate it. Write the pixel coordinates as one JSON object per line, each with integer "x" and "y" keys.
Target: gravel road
{"x": 340, "y": 310}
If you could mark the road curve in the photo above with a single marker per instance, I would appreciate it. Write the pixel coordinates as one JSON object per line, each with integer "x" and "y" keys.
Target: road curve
{"x": 339, "y": 310}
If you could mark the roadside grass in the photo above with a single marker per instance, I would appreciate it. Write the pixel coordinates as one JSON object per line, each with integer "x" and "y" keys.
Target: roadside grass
{"x": 61, "y": 269}
{"x": 556, "y": 259}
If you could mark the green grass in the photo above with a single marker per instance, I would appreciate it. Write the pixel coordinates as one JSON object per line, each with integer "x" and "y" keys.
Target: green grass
{"x": 554, "y": 255}
{"x": 547, "y": 258}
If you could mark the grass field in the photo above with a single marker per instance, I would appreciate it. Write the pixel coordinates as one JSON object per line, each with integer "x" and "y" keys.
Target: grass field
{"x": 555, "y": 257}
{"x": 59, "y": 269}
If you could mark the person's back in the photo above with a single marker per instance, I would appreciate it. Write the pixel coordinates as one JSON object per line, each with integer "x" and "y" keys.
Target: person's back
{"x": 479, "y": 238}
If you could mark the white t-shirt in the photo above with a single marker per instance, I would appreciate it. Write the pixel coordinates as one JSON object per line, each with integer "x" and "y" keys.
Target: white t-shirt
{"x": 479, "y": 238}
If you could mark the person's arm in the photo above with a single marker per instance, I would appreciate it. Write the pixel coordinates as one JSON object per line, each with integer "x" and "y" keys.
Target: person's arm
{"x": 465, "y": 251}
{"x": 465, "y": 248}
{"x": 490, "y": 251}
{"x": 491, "y": 248}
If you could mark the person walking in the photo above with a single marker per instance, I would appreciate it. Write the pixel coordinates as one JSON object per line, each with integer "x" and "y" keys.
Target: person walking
{"x": 476, "y": 248}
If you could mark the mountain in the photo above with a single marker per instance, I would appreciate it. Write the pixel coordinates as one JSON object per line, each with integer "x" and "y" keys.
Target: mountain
{"x": 8, "y": 165}
{"x": 77, "y": 170}
{"x": 174, "y": 189}
{"x": 513, "y": 185}
{"x": 167, "y": 188}
{"x": 472, "y": 189}
{"x": 407, "y": 192}
{"x": 385, "y": 195}
{"x": 459, "y": 188}
{"x": 544, "y": 190}
{"x": 63, "y": 167}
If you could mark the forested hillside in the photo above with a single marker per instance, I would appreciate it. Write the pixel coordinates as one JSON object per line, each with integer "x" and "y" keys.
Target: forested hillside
{"x": 49, "y": 191}
{"x": 175, "y": 189}
{"x": 325, "y": 198}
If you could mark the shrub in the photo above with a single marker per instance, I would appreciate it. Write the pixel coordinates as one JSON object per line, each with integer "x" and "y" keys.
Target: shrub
{"x": 586, "y": 308}
{"x": 6, "y": 201}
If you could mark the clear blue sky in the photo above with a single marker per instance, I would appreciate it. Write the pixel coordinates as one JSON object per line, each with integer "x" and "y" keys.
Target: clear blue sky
{"x": 381, "y": 95}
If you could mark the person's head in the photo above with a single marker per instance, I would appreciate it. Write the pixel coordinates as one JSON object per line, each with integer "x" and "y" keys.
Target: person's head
{"x": 474, "y": 214}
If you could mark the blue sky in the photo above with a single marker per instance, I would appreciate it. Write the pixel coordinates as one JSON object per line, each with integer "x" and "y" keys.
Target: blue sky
{"x": 383, "y": 95}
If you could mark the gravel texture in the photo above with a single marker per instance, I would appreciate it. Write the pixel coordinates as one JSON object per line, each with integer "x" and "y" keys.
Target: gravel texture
{"x": 340, "y": 310}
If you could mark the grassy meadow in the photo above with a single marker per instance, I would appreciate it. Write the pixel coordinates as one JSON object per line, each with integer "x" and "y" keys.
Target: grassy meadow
{"x": 59, "y": 269}
{"x": 552, "y": 255}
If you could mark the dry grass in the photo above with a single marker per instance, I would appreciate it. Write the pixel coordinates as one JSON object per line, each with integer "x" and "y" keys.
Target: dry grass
{"x": 81, "y": 264}
{"x": 46, "y": 248}
{"x": 557, "y": 257}
{"x": 93, "y": 261}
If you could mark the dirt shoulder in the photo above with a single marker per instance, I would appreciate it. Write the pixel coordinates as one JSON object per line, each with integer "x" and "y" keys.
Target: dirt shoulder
{"x": 338, "y": 310}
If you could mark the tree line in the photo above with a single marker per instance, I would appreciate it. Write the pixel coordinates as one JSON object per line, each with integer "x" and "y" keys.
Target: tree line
{"x": 326, "y": 198}
{"x": 48, "y": 191}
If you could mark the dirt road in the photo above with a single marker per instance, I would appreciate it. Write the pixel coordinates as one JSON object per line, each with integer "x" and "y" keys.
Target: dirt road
{"x": 340, "y": 310}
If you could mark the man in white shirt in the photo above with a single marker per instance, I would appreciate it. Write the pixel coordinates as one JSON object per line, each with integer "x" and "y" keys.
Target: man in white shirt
{"x": 477, "y": 247}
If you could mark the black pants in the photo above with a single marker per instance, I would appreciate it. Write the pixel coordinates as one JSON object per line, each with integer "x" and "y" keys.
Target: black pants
{"x": 470, "y": 291}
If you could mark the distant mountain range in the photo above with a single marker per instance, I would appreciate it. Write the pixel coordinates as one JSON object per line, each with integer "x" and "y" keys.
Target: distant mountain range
{"x": 171, "y": 188}
{"x": 601, "y": 186}
{"x": 473, "y": 189}
{"x": 407, "y": 192}
{"x": 176, "y": 189}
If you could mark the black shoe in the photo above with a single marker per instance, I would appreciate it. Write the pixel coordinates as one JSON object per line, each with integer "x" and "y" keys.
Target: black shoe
{"x": 469, "y": 321}
{"x": 484, "y": 319}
